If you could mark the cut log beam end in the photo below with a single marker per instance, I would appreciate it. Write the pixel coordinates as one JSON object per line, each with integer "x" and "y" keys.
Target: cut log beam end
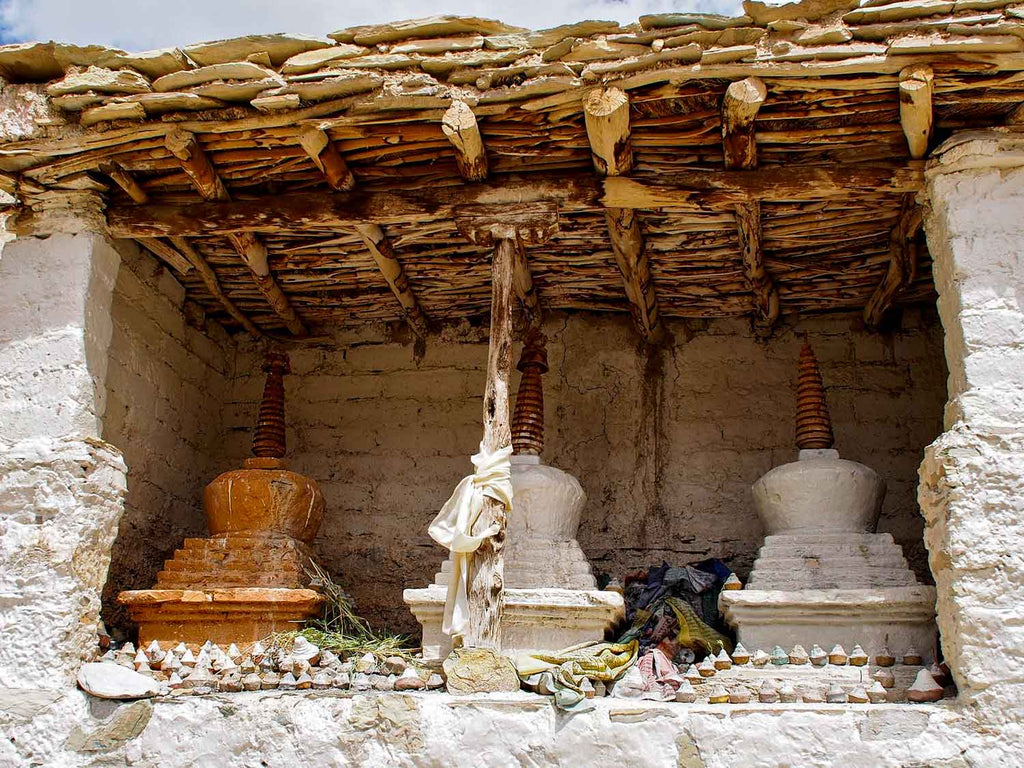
{"x": 326, "y": 157}
{"x": 916, "y": 87}
{"x": 459, "y": 124}
{"x": 606, "y": 113}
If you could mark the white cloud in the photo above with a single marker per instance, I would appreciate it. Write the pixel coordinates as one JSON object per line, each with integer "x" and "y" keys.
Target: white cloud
{"x": 144, "y": 24}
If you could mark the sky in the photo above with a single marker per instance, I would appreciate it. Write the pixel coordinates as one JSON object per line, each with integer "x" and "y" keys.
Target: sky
{"x": 138, "y": 25}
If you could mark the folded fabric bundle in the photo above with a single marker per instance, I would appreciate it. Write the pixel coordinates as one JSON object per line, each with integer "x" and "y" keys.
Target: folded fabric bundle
{"x": 562, "y": 672}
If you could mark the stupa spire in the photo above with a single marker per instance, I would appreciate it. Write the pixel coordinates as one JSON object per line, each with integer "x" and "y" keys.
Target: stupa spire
{"x": 528, "y": 419}
{"x": 269, "y": 438}
{"x": 813, "y": 424}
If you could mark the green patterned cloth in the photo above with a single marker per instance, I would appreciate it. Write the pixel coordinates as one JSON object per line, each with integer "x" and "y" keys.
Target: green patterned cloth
{"x": 563, "y": 672}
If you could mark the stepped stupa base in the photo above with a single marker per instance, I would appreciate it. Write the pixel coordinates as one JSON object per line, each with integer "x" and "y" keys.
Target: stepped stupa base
{"x": 830, "y": 588}
{"x": 224, "y": 616}
{"x": 896, "y": 617}
{"x": 543, "y": 619}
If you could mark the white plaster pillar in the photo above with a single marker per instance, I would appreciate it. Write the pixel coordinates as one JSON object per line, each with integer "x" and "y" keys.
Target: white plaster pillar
{"x": 972, "y": 478}
{"x": 61, "y": 486}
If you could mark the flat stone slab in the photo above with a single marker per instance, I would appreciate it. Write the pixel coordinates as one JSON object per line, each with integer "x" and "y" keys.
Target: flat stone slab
{"x": 112, "y": 681}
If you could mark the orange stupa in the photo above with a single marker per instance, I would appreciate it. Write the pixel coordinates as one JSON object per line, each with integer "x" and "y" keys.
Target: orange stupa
{"x": 249, "y": 579}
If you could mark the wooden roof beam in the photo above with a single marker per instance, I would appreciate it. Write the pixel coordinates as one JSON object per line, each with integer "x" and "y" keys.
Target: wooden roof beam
{"x": 606, "y": 114}
{"x": 743, "y": 100}
{"x": 182, "y": 256}
{"x": 379, "y": 246}
{"x": 697, "y": 190}
{"x": 916, "y": 85}
{"x": 460, "y": 126}
{"x": 197, "y": 166}
{"x": 902, "y": 262}
{"x": 325, "y": 156}
{"x": 332, "y": 165}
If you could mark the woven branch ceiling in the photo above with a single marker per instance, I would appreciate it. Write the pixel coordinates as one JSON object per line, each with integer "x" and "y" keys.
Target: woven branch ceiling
{"x": 831, "y": 71}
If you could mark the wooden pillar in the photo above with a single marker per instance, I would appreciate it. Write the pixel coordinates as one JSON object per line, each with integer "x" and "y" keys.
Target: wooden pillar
{"x": 487, "y": 573}
{"x": 505, "y": 227}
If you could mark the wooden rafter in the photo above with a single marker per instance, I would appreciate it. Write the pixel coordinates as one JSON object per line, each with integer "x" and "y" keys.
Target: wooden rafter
{"x": 383, "y": 253}
{"x": 916, "y": 108}
{"x": 743, "y": 100}
{"x": 606, "y": 113}
{"x": 180, "y": 255}
{"x": 902, "y": 262}
{"x": 697, "y": 190}
{"x": 460, "y": 126}
{"x": 332, "y": 165}
{"x": 325, "y": 156}
{"x": 197, "y": 166}
{"x": 522, "y": 282}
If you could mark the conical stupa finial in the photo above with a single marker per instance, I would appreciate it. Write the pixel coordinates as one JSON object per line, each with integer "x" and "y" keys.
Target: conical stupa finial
{"x": 269, "y": 438}
{"x": 813, "y": 425}
{"x": 528, "y": 419}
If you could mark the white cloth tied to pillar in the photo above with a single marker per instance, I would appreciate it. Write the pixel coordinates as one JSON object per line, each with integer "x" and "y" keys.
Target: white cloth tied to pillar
{"x": 453, "y": 527}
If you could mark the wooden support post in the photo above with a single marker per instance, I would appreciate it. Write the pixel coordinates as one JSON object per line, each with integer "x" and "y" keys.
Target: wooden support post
{"x": 325, "y": 156}
{"x": 506, "y": 228}
{"x": 205, "y": 271}
{"x": 197, "y": 166}
{"x": 460, "y": 126}
{"x": 740, "y": 106}
{"x": 916, "y": 84}
{"x": 487, "y": 572}
{"x": 631, "y": 258}
{"x": 606, "y": 113}
{"x": 902, "y": 262}
{"x": 379, "y": 246}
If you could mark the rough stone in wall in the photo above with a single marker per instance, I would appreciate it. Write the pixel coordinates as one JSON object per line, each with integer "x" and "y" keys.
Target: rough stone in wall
{"x": 666, "y": 448}
{"x": 166, "y": 380}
